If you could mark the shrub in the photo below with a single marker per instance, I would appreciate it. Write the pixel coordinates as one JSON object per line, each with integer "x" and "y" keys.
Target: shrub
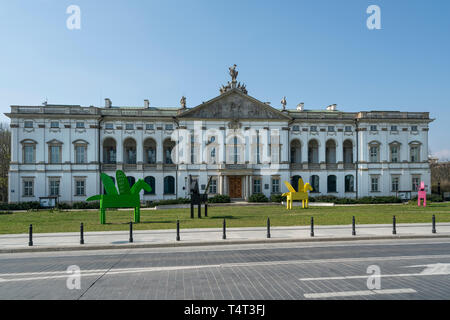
{"x": 20, "y": 206}
{"x": 219, "y": 198}
{"x": 258, "y": 197}
{"x": 167, "y": 202}
{"x": 277, "y": 198}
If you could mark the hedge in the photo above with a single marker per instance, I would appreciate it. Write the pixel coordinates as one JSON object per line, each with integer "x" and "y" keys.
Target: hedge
{"x": 258, "y": 197}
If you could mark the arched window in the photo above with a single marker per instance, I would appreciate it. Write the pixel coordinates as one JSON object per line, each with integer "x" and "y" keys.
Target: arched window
{"x": 129, "y": 148}
{"x": 296, "y": 151}
{"x": 131, "y": 181}
{"x": 394, "y": 149}
{"x": 330, "y": 151}
{"x": 331, "y": 183}
{"x": 109, "y": 151}
{"x": 168, "y": 146}
{"x": 169, "y": 185}
{"x": 315, "y": 183}
{"x": 348, "y": 151}
{"x": 294, "y": 182}
{"x": 150, "y": 151}
{"x": 349, "y": 183}
{"x": 313, "y": 151}
{"x": 28, "y": 151}
{"x": 414, "y": 151}
{"x": 151, "y": 182}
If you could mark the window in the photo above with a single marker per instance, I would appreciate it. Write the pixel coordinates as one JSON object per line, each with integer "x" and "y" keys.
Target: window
{"x": 415, "y": 183}
{"x": 131, "y": 181}
{"x": 28, "y": 188}
{"x": 151, "y": 155}
{"x": 169, "y": 127}
{"x": 315, "y": 183}
{"x": 313, "y": 129}
{"x": 413, "y": 128}
{"x": 394, "y": 128}
{"x": 55, "y": 154}
{"x": 256, "y": 185}
{"x": 294, "y": 182}
{"x": 149, "y": 126}
{"x": 129, "y": 126}
{"x": 374, "y": 184}
{"x": 54, "y": 187}
{"x": 373, "y": 153}
{"x": 331, "y": 183}
{"x": 330, "y": 128}
{"x": 373, "y": 128}
{"x": 395, "y": 153}
{"x": 109, "y": 126}
{"x": 395, "y": 183}
{"x": 80, "y": 187}
{"x": 151, "y": 182}
{"x": 54, "y": 124}
{"x": 275, "y": 185}
{"x": 28, "y": 124}
{"x": 213, "y": 186}
{"x": 80, "y": 125}
{"x": 349, "y": 183}
{"x": 296, "y": 128}
{"x": 169, "y": 185}
{"x": 414, "y": 152}
{"x": 29, "y": 153}
{"x": 348, "y": 128}
{"x": 80, "y": 154}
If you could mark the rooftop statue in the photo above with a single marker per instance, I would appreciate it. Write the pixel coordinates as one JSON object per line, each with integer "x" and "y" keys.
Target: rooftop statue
{"x": 183, "y": 102}
{"x": 233, "y": 72}
{"x": 283, "y": 103}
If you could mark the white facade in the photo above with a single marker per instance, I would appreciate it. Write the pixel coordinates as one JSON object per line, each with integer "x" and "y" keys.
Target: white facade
{"x": 61, "y": 150}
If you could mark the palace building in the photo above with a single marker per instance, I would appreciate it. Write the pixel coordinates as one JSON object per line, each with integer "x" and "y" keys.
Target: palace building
{"x": 246, "y": 145}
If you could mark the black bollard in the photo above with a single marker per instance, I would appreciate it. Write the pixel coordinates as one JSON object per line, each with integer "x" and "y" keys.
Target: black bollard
{"x": 224, "y": 236}
{"x": 81, "y": 233}
{"x": 394, "y": 227}
{"x": 200, "y": 210}
{"x": 192, "y": 210}
{"x": 206, "y": 209}
{"x": 30, "y": 239}
{"x": 312, "y": 226}
{"x": 353, "y": 227}
{"x": 434, "y": 225}
{"x": 268, "y": 228}
{"x": 178, "y": 230}
{"x": 131, "y": 231}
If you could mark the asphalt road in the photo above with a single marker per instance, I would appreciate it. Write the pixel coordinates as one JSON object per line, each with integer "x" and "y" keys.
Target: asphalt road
{"x": 409, "y": 269}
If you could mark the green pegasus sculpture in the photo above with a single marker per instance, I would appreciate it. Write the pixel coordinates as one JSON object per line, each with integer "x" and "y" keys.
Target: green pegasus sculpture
{"x": 126, "y": 197}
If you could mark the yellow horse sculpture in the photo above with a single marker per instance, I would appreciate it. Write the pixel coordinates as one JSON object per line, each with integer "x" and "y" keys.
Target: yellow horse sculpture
{"x": 301, "y": 194}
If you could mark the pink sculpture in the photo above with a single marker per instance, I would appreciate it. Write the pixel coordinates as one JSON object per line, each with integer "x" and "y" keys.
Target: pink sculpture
{"x": 422, "y": 195}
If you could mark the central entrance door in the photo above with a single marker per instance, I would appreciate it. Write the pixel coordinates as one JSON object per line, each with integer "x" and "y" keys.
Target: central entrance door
{"x": 235, "y": 187}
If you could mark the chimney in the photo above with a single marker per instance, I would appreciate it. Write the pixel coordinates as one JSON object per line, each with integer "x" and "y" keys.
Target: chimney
{"x": 300, "y": 106}
{"x": 107, "y": 103}
{"x": 332, "y": 107}
{"x": 146, "y": 104}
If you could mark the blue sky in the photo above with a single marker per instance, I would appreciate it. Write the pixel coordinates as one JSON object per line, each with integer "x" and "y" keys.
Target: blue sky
{"x": 317, "y": 52}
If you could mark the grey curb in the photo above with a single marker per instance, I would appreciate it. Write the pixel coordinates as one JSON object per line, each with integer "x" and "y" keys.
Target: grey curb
{"x": 215, "y": 243}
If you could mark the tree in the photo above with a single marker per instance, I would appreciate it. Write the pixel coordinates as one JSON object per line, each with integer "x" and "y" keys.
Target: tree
{"x": 5, "y": 156}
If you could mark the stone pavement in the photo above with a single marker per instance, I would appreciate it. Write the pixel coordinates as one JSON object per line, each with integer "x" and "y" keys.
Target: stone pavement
{"x": 213, "y": 236}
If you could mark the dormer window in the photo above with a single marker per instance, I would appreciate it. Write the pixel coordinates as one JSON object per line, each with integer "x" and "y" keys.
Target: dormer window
{"x": 373, "y": 128}
{"x": 129, "y": 126}
{"x": 394, "y": 128}
{"x": 348, "y": 128}
{"x": 149, "y": 126}
{"x": 296, "y": 128}
{"x": 54, "y": 124}
{"x": 313, "y": 128}
{"x": 109, "y": 126}
{"x": 414, "y": 128}
{"x": 28, "y": 124}
{"x": 169, "y": 127}
{"x": 330, "y": 128}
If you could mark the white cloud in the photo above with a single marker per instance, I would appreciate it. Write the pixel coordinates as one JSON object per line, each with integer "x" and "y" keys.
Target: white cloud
{"x": 443, "y": 155}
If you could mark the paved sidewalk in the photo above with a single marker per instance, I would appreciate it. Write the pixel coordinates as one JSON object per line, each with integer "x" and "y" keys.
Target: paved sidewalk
{"x": 209, "y": 236}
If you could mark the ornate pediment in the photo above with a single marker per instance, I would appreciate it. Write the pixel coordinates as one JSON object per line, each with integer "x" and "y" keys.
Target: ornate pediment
{"x": 233, "y": 105}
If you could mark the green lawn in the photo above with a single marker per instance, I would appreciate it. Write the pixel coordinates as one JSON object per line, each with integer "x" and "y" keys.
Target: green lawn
{"x": 246, "y": 216}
